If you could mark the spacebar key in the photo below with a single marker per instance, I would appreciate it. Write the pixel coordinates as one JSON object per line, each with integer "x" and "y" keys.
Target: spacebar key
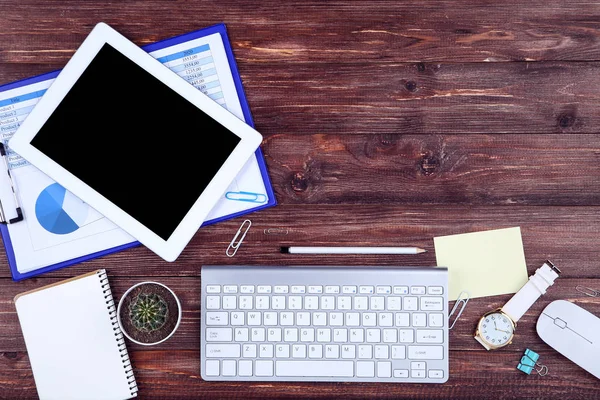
{"x": 315, "y": 368}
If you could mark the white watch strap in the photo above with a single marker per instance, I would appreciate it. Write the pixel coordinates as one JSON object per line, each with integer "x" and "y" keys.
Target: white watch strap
{"x": 536, "y": 286}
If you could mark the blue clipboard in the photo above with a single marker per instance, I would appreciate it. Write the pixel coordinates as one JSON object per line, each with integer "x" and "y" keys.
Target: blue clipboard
{"x": 218, "y": 28}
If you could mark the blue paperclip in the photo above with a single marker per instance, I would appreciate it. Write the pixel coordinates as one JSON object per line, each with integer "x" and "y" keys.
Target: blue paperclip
{"x": 529, "y": 363}
{"x": 246, "y": 196}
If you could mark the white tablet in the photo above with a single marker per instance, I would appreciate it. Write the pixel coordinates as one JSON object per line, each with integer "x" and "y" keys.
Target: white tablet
{"x": 135, "y": 141}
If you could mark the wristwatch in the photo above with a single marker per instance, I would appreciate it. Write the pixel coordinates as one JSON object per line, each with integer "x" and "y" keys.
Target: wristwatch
{"x": 496, "y": 328}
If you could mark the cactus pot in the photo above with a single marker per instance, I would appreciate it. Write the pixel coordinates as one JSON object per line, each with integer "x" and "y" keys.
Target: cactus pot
{"x": 149, "y": 313}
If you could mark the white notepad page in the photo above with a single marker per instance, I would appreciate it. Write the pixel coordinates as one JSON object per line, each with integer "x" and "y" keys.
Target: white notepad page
{"x": 74, "y": 353}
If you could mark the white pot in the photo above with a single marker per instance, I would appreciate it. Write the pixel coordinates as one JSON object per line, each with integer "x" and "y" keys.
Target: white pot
{"x": 119, "y": 313}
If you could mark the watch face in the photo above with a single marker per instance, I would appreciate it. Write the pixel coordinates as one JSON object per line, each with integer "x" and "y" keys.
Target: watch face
{"x": 496, "y": 329}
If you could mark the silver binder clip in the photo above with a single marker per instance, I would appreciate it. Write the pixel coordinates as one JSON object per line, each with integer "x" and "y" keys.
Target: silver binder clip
{"x": 236, "y": 245}
{"x": 588, "y": 291}
{"x": 462, "y": 300}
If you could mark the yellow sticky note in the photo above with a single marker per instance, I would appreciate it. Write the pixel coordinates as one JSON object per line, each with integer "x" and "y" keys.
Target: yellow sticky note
{"x": 485, "y": 263}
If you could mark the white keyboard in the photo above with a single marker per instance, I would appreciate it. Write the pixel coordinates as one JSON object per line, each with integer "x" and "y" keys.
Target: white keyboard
{"x": 336, "y": 324}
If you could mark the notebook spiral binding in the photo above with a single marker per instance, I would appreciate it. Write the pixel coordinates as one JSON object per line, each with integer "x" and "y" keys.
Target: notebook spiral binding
{"x": 120, "y": 338}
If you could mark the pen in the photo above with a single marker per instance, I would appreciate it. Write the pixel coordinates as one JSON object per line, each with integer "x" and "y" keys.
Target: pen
{"x": 19, "y": 216}
{"x": 351, "y": 250}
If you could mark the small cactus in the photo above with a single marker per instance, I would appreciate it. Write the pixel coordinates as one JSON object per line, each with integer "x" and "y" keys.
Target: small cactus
{"x": 148, "y": 312}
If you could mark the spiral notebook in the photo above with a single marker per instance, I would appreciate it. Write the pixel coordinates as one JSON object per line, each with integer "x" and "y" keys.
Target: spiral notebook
{"x": 75, "y": 345}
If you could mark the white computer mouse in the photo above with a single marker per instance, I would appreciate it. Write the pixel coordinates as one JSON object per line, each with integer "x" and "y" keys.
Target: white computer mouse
{"x": 573, "y": 332}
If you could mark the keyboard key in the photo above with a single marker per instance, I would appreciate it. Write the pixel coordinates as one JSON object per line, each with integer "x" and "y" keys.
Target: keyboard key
{"x": 216, "y": 318}
{"x": 286, "y": 318}
{"x": 366, "y": 290}
{"x": 400, "y": 289}
{"x": 328, "y": 303}
{"x": 419, "y": 319}
{"x": 435, "y": 290}
{"x": 298, "y": 289}
{"x": 373, "y": 336}
{"x": 245, "y": 368}
{"x": 425, "y": 352}
{"x": 410, "y": 304}
{"x": 315, "y": 351}
{"x": 436, "y": 373}
{"x": 430, "y": 336}
{"x": 258, "y": 334}
{"x": 295, "y": 302}
{"x": 237, "y": 318}
{"x": 432, "y": 303}
{"x": 245, "y": 302}
{"x": 332, "y": 351}
{"x": 270, "y": 318}
{"x": 247, "y": 289}
{"x": 340, "y": 335}
{"x": 319, "y": 318}
{"x": 369, "y": 319}
{"x": 381, "y": 351}
{"x": 400, "y": 373}
{"x": 212, "y": 368}
{"x": 299, "y": 351}
{"x": 315, "y": 289}
{"x": 282, "y": 351}
{"x": 365, "y": 351}
{"x": 303, "y": 319}
{"x": 384, "y": 289}
{"x": 307, "y": 335}
{"x": 418, "y": 365}
{"x": 436, "y": 320}
{"x": 213, "y": 302}
{"x": 417, "y": 290}
{"x": 365, "y": 369}
{"x": 398, "y": 352}
{"x": 336, "y": 319}
{"x": 377, "y": 303}
{"x": 315, "y": 369}
{"x": 344, "y": 303}
{"x": 324, "y": 335}
{"x": 229, "y": 302}
{"x": 223, "y": 350}
{"x": 213, "y": 289}
{"x": 263, "y": 289}
{"x": 394, "y": 303}
{"x": 361, "y": 303}
{"x": 332, "y": 289}
{"x": 249, "y": 350}
{"x": 390, "y": 336}
{"x": 356, "y": 336}
{"x": 262, "y": 302}
{"x": 265, "y": 351}
{"x": 230, "y": 289}
{"x": 349, "y": 351}
{"x": 274, "y": 334}
{"x": 349, "y": 289}
{"x": 219, "y": 334}
{"x": 385, "y": 319}
{"x": 290, "y": 335}
{"x": 417, "y": 373}
{"x": 384, "y": 369}
{"x": 282, "y": 289}
{"x": 229, "y": 367}
{"x": 264, "y": 368}
{"x": 241, "y": 334}
{"x": 311, "y": 302}
{"x": 254, "y": 318}
{"x": 278, "y": 302}
{"x": 402, "y": 319}
{"x": 407, "y": 336}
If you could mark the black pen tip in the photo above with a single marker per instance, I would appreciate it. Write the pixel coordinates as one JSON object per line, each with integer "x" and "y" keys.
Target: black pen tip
{"x": 285, "y": 250}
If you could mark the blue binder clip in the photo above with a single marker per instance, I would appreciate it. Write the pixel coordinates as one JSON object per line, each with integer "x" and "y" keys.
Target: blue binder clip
{"x": 246, "y": 196}
{"x": 529, "y": 363}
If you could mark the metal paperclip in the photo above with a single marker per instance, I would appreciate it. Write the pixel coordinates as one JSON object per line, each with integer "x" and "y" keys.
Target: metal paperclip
{"x": 588, "y": 291}
{"x": 459, "y": 300}
{"x": 235, "y": 246}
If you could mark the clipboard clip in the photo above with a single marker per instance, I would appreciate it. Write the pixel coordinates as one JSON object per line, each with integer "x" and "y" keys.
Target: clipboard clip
{"x": 19, "y": 217}
{"x": 461, "y": 301}
{"x": 234, "y": 246}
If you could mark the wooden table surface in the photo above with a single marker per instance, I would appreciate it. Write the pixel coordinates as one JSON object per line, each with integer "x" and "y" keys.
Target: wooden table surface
{"x": 384, "y": 123}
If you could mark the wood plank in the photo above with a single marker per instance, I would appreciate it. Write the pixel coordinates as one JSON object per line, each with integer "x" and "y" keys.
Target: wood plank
{"x": 188, "y": 334}
{"x": 569, "y": 236}
{"x": 320, "y": 32}
{"x": 162, "y": 373}
{"x": 414, "y": 99}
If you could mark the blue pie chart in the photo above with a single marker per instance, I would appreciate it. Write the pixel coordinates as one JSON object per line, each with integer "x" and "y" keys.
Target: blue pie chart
{"x": 59, "y": 211}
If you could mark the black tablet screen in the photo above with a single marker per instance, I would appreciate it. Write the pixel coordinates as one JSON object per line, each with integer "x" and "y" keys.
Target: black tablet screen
{"x": 135, "y": 141}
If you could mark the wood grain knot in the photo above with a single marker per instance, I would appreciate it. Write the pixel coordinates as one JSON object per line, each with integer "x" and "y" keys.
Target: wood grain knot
{"x": 299, "y": 182}
{"x": 429, "y": 164}
{"x": 420, "y": 67}
{"x": 11, "y": 355}
{"x": 388, "y": 139}
{"x": 566, "y": 120}
{"x": 411, "y": 86}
